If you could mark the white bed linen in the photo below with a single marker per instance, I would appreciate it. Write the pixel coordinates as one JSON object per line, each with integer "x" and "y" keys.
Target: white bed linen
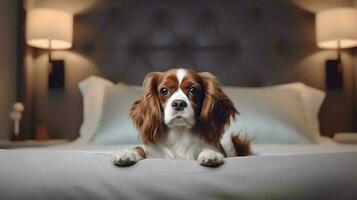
{"x": 267, "y": 130}
{"x": 55, "y": 174}
{"x": 259, "y": 149}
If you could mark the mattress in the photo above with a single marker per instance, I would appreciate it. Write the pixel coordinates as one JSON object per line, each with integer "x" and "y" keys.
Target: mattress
{"x": 86, "y": 172}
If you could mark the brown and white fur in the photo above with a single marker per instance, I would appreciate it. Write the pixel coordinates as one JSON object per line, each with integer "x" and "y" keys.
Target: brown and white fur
{"x": 183, "y": 115}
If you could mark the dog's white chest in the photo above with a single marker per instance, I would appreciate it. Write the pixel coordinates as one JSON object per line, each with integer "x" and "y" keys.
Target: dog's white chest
{"x": 178, "y": 144}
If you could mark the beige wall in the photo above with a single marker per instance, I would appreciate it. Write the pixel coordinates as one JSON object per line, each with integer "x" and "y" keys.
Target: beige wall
{"x": 349, "y": 93}
{"x": 355, "y": 75}
{"x": 44, "y": 102}
{"x": 8, "y": 45}
{"x": 47, "y": 102}
{"x": 71, "y": 6}
{"x": 318, "y": 5}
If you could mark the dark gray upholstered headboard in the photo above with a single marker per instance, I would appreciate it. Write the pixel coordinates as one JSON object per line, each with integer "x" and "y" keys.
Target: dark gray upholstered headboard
{"x": 245, "y": 42}
{"x": 242, "y": 42}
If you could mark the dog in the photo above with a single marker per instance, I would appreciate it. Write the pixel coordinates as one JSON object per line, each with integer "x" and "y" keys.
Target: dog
{"x": 183, "y": 115}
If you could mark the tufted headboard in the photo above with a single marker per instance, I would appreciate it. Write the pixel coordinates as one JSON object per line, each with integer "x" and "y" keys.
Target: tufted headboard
{"x": 245, "y": 42}
{"x": 242, "y": 42}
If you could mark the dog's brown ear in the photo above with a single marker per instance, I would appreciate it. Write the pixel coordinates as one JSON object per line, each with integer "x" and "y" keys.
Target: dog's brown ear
{"x": 217, "y": 109}
{"x": 147, "y": 112}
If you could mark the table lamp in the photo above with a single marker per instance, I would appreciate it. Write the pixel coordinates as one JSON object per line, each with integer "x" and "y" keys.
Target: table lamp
{"x": 336, "y": 29}
{"x": 50, "y": 29}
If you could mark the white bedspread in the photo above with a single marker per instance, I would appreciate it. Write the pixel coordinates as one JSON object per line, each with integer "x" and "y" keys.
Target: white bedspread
{"x": 260, "y": 149}
{"x": 86, "y": 172}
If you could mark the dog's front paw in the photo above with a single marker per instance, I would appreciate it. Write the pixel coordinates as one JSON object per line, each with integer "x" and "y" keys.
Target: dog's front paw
{"x": 210, "y": 158}
{"x": 126, "y": 157}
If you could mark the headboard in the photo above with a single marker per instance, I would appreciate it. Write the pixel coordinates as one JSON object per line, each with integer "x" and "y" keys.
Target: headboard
{"x": 251, "y": 42}
{"x": 244, "y": 43}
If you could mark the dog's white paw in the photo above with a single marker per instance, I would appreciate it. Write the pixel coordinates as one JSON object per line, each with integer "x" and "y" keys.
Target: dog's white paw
{"x": 210, "y": 158}
{"x": 126, "y": 157}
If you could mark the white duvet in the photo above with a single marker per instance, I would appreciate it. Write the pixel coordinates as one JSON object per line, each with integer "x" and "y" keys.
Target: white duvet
{"x": 76, "y": 171}
{"x": 328, "y": 146}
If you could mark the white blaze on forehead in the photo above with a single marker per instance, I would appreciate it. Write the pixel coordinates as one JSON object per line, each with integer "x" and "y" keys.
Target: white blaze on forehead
{"x": 181, "y": 73}
{"x": 170, "y": 113}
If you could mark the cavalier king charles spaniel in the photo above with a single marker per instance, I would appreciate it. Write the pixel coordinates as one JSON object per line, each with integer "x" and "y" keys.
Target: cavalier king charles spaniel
{"x": 183, "y": 115}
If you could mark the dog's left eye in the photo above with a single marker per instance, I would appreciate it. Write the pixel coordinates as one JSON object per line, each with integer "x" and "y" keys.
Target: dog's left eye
{"x": 193, "y": 91}
{"x": 164, "y": 91}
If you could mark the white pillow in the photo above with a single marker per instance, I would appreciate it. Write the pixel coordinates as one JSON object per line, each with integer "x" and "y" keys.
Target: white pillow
{"x": 270, "y": 115}
{"x": 115, "y": 125}
{"x": 92, "y": 90}
{"x": 296, "y": 127}
{"x": 312, "y": 100}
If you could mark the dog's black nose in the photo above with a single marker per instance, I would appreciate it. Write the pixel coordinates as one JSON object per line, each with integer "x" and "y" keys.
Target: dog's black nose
{"x": 179, "y": 104}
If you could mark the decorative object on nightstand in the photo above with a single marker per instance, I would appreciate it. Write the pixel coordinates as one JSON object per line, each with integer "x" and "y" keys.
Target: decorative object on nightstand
{"x": 16, "y": 115}
{"x": 346, "y": 138}
{"x": 53, "y": 30}
{"x": 5, "y": 144}
{"x": 42, "y": 132}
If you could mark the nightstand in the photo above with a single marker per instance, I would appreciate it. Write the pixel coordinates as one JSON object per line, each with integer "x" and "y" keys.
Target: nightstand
{"x": 6, "y": 144}
{"x": 345, "y": 138}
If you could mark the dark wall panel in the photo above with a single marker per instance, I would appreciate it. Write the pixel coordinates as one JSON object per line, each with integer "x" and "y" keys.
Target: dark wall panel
{"x": 8, "y": 67}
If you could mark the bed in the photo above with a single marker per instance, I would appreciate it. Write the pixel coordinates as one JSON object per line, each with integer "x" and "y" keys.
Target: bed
{"x": 292, "y": 160}
{"x": 86, "y": 172}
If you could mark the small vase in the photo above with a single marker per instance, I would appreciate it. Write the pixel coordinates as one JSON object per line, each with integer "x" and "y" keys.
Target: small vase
{"x": 42, "y": 132}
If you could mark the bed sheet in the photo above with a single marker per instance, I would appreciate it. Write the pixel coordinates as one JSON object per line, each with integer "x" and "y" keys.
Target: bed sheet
{"x": 259, "y": 149}
{"x": 89, "y": 174}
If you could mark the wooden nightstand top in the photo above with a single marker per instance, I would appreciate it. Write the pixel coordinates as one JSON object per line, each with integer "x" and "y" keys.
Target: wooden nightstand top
{"x": 6, "y": 144}
{"x": 346, "y": 138}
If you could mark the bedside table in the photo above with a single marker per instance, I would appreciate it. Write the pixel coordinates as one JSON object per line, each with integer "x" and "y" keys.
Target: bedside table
{"x": 6, "y": 144}
{"x": 345, "y": 138}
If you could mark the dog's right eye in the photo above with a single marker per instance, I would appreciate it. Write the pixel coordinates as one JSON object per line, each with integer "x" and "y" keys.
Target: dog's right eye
{"x": 164, "y": 91}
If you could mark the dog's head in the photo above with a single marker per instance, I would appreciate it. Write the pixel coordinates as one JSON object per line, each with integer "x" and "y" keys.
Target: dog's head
{"x": 182, "y": 98}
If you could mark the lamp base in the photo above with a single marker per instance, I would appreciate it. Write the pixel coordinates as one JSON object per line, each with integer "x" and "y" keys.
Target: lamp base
{"x": 334, "y": 75}
{"x": 56, "y": 79}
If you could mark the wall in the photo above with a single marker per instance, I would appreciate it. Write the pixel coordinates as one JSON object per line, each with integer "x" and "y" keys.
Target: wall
{"x": 41, "y": 102}
{"x": 354, "y": 4}
{"x": 344, "y": 101}
{"x": 57, "y": 108}
{"x": 70, "y": 6}
{"x": 8, "y": 53}
{"x": 318, "y": 5}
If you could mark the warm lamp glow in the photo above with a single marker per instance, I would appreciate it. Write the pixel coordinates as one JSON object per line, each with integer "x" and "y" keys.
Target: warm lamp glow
{"x": 45, "y": 25}
{"x": 335, "y": 26}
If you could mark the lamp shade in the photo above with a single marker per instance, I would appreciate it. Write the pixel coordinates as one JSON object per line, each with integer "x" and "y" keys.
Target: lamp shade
{"x": 49, "y": 26}
{"x": 335, "y": 26}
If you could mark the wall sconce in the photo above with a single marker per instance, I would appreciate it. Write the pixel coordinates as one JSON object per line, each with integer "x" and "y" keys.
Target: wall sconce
{"x": 50, "y": 29}
{"x": 336, "y": 29}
